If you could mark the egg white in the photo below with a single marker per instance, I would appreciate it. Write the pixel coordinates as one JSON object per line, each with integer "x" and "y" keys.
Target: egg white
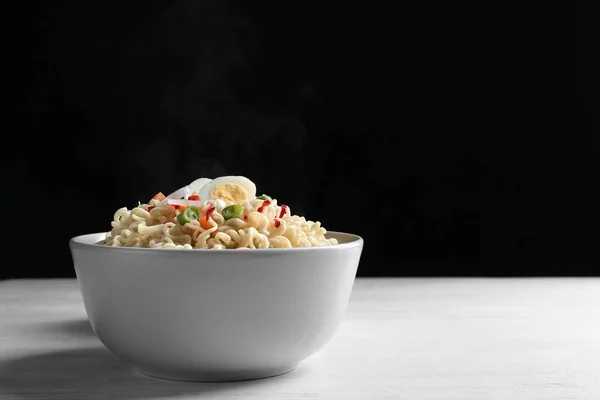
{"x": 198, "y": 184}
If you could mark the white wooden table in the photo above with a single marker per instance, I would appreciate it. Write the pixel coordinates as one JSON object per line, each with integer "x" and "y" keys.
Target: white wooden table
{"x": 505, "y": 339}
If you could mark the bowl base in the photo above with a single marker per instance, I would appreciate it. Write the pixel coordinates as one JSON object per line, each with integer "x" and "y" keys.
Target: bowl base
{"x": 226, "y": 376}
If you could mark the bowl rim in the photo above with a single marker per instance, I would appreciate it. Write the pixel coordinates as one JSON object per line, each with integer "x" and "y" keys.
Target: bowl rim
{"x": 88, "y": 241}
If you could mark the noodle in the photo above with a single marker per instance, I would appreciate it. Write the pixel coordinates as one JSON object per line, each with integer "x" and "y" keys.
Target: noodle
{"x": 265, "y": 224}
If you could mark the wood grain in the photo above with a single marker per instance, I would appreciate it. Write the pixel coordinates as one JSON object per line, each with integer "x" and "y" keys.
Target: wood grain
{"x": 457, "y": 338}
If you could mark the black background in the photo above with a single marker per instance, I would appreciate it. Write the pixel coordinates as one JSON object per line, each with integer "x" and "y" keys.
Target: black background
{"x": 455, "y": 140}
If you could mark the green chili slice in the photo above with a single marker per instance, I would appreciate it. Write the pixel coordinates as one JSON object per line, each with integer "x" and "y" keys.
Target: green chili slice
{"x": 233, "y": 211}
{"x": 188, "y": 215}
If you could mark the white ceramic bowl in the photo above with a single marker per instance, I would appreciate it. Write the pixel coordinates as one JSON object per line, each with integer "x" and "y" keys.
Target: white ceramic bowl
{"x": 215, "y": 315}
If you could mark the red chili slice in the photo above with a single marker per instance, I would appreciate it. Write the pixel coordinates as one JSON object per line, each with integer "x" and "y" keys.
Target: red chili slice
{"x": 150, "y": 208}
{"x": 209, "y": 212}
{"x": 194, "y": 197}
{"x": 245, "y": 218}
{"x": 277, "y": 223}
{"x": 263, "y": 205}
{"x": 283, "y": 210}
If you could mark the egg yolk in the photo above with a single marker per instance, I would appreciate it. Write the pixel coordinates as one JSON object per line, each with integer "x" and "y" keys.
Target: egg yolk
{"x": 230, "y": 192}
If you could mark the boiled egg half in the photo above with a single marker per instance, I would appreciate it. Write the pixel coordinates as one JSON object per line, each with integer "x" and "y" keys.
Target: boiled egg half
{"x": 230, "y": 189}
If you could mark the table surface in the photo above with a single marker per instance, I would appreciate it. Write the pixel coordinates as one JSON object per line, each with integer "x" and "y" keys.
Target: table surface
{"x": 418, "y": 338}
